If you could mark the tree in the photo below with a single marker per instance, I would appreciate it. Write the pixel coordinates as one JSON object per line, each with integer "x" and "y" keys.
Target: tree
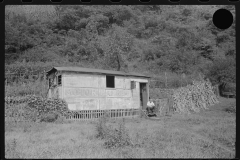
{"x": 179, "y": 39}
{"x": 117, "y": 47}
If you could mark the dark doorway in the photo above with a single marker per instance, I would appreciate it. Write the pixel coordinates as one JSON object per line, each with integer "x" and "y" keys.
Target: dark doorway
{"x": 143, "y": 95}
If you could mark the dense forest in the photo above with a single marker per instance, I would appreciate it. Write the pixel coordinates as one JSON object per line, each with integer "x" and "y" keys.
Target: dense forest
{"x": 149, "y": 39}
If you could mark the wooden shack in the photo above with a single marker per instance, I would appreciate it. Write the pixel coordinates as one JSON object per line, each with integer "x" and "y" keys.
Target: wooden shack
{"x": 86, "y": 89}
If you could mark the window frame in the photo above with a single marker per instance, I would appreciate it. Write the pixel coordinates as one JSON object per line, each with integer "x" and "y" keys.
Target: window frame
{"x": 133, "y": 85}
{"x": 58, "y": 79}
{"x": 108, "y": 83}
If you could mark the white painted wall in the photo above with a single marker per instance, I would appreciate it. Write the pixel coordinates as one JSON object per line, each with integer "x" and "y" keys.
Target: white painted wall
{"x": 89, "y": 92}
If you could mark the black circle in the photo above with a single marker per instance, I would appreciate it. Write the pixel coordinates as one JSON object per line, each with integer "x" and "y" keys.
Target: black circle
{"x": 222, "y": 18}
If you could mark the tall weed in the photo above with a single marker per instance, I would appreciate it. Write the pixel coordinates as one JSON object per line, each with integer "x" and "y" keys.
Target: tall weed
{"x": 115, "y": 137}
{"x": 102, "y": 129}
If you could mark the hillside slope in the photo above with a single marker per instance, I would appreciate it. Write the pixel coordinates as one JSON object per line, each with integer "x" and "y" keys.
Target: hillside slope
{"x": 146, "y": 39}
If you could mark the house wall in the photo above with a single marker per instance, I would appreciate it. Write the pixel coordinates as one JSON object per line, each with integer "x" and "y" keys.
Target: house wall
{"x": 89, "y": 92}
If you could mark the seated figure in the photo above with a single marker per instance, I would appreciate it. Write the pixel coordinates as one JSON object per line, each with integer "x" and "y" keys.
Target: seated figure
{"x": 150, "y": 107}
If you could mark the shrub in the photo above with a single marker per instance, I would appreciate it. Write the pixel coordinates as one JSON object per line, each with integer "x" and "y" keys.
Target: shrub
{"x": 47, "y": 104}
{"x": 30, "y": 114}
{"x": 101, "y": 128}
{"x": 222, "y": 71}
{"x": 48, "y": 110}
{"x": 122, "y": 137}
{"x": 114, "y": 137}
{"x": 35, "y": 108}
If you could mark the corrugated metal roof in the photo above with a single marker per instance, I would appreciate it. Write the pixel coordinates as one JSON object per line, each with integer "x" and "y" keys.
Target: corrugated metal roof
{"x": 99, "y": 71}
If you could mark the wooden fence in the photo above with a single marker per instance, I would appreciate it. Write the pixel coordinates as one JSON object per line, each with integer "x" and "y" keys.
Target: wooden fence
{"x": 162, "y": 107}
{"x": 96, "y": 114}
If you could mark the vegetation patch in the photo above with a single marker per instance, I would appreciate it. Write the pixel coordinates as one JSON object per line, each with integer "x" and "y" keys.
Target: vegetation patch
{"x": 115, "y": 137}
{"x": 172, "y": 138}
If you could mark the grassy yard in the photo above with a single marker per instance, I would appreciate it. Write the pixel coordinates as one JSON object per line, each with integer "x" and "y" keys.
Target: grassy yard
{"x": 208, "y": 134}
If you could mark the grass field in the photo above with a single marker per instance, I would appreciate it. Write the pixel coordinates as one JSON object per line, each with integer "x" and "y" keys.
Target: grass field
{"x": 208, "y": 134}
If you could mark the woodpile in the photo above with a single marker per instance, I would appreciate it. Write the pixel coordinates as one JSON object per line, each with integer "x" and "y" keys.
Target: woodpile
{"x": 194, "y": 97}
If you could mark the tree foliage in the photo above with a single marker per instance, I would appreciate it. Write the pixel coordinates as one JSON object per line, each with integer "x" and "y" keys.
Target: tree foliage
{"x": 154, "y": 38}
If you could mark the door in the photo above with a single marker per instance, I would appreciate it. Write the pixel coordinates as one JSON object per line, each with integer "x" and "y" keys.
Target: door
{"x": 143, "y": 95}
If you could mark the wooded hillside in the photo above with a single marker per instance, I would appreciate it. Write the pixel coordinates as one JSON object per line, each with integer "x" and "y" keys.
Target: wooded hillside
{"x": 148, "y": 39}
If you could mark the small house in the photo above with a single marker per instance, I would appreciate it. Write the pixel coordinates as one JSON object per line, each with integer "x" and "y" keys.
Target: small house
{"x": 86, "y": 89}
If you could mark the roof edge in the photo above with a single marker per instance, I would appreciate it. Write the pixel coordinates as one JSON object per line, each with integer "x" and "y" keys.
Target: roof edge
{"x": 96, "y": 72}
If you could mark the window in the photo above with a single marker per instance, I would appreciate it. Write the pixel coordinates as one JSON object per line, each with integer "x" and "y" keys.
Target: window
{"x": 60, "y": 80}
{"x": 133, "y": 84}
{"x": 110, "y": 82}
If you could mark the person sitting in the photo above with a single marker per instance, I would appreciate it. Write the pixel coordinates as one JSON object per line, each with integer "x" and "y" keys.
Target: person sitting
{"x": 150, "y": 106}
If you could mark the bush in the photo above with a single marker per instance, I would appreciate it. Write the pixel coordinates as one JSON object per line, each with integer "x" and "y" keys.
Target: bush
{"x": 222, "y": 71}
{"x": 30, "y": 114}
{"x": 114, "y": 137}
{"x": 118, "y": 137}
{"x": 48, "y": 105}
{"x": 102, "y": 129}
{"x": 35, "y": 108}
{"x": 48, "y": 110}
